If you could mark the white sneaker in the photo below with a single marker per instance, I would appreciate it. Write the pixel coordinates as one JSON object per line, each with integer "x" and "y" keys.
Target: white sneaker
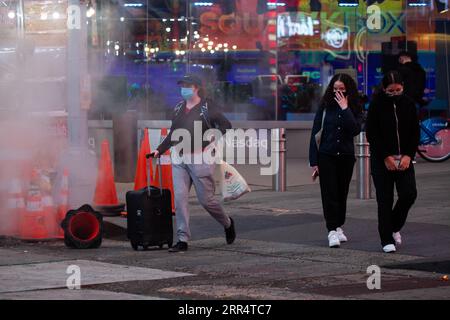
{"x": 333, "y": 239}
{"x": 389, "y": 248}
{"x": 398, "y": 238}
{"x": 341, "y": 235}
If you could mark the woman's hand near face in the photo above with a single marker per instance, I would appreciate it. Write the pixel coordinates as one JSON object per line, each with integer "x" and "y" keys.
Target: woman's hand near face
{"x": 341, "y": 100}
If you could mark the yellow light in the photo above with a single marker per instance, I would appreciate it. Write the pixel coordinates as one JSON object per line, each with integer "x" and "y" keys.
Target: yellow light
{"x": 11, "y": 14}
{"x": 210, "y": 43}
{"x": 55, "y": 15}
{"x": 203, "y": 49}
{"x": 200, "y": 45}
{"x": 234, "y": 47}
{"x": 44, "y": 16}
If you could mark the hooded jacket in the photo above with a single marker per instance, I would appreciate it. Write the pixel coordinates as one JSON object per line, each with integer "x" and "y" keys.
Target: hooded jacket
{"x": 181, "y": 119}
{"x": 392, "y": 126}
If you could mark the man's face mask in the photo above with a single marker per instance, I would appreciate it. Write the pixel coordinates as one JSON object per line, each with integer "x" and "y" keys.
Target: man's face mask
{"x": 187, "y": 93}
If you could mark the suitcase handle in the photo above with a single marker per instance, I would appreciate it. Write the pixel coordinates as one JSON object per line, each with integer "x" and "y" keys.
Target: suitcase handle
{"x": 158, "y": 164}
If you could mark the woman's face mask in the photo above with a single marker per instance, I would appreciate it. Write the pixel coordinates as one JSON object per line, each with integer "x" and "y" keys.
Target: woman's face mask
{"x": 394, "y": 91}
{"x": 187, "y": 93}
{"x": 339, "y": 86}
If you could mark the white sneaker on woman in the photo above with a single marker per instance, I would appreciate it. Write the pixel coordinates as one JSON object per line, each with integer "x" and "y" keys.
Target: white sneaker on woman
{"x": 389, "y": 248}
{"x": 333, "y": 239}
{"x": 397, "y": 237}
{"x": 341, "y": 235}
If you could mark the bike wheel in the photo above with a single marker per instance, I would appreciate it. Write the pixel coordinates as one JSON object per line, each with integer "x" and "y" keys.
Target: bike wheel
{"x": 437, "y": 152}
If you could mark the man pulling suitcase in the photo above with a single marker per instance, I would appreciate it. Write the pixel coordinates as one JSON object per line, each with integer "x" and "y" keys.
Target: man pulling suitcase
{"x": 194, "y": 108}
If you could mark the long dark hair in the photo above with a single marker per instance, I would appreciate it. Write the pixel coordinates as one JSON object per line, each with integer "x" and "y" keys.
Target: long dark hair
{"x": 351, "y": 89}
{"x": 392, "y": 77}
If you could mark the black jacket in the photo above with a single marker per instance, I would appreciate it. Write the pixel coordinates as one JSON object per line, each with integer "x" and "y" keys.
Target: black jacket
{"x": 180, "y": 119}
{"x": 339, "y": 129}
{"x": 382, "y": 126}
{"x": 414, "y": 78}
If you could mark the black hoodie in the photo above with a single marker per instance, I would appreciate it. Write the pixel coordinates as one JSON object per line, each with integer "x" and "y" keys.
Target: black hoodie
{"x": 391, "y": 122}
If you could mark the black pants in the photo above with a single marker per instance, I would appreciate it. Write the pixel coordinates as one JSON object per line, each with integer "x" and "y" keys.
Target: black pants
{"x": 335, "y": 174}
{"x": 392, "y": 218}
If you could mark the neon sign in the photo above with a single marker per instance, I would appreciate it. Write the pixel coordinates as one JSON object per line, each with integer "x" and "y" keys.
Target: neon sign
{"x": 295, "y": 25}
{"x": 335, "y": 37}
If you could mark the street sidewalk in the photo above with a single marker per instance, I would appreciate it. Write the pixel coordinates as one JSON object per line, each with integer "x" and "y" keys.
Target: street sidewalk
{"x": 280, "y": 252}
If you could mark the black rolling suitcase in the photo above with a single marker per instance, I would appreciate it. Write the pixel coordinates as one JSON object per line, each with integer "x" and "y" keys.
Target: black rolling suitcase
{"x": 149, "y": 217}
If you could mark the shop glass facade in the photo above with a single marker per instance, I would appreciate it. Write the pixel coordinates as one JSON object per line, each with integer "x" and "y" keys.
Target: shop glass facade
{"x": 260, "y": 60}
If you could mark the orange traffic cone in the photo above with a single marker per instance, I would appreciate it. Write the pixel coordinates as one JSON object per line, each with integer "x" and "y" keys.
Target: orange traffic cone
{"x": 16, "y": 208}
{"x": 33, "y": 222}
{"x": 105, "y": 198}
{"x": 50, "y": 215}
{"x": 166, "y": 171}
{"x": 63, "y": 206}
{"x": 140, "y": 180}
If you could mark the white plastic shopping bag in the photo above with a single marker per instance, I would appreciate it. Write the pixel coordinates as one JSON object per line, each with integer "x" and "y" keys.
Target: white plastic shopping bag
{"x": 233, "y": 185}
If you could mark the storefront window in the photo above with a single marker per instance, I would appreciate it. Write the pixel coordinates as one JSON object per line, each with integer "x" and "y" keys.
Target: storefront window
{"x": 260, "y": 59}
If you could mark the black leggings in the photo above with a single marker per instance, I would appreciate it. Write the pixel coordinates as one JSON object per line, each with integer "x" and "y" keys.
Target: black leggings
{"x": 392, "y": 218}
{"x": 335, "y": 174}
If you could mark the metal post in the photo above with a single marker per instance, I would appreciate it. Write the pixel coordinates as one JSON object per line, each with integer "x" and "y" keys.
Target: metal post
{"x": 363, "y": 167}
{"x": 20, "y": 19}
{"x": 81, "y": 162}
{"x": 279, "y": 141}
{"x": 76, "y": 69}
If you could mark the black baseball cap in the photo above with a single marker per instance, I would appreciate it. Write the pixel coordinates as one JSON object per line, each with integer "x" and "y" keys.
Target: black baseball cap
{"x": 191, "y": 79}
